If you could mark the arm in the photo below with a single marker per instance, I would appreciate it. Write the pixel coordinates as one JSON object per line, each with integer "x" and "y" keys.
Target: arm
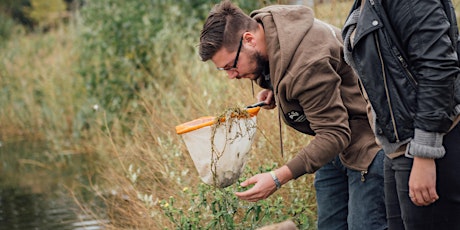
{"x": 430, "y": 53}
{"x": 329, "y": 119}
{"x": 423, "y": 29}
{"x": 318, "y": 92}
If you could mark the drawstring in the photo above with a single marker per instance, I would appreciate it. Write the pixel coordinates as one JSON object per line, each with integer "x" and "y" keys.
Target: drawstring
{"x": 279, "y": 123}
{"x": 252, "y": 87}
{"x": 281, "y": 134}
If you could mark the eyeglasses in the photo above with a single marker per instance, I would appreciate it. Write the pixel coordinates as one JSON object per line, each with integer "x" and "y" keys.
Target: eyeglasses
{"x": 236, "y": 59}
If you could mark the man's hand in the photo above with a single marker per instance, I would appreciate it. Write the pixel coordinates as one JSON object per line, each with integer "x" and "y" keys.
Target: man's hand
{"x": 267, "y": 96}
{"x": 422, "y": 182}
{"x": 263, "y": 188}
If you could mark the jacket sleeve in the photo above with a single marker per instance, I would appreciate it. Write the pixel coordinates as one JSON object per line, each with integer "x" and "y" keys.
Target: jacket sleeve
{"x": 317, "y": 91}
{"x": 424, "y": 28}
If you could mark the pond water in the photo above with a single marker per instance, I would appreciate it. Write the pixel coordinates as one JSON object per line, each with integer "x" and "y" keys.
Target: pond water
{"x": 36, "y": 186}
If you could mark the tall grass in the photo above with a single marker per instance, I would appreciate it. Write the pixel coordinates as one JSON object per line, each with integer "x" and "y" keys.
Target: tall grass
{"x": 40, "y": 90}
{"x": 116, "y": 82}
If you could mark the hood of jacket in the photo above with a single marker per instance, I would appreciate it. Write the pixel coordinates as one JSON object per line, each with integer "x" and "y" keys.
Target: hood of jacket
{"x": 286, "y": 35}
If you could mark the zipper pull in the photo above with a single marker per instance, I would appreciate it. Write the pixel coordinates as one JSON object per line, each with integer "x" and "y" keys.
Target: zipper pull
{"x": 403, "y": 62}
{"x": 363, "y": 173}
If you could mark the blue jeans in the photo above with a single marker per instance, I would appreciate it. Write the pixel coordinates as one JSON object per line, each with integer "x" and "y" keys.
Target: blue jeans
{"x": 350, "y": 199}
{"x": 444, "y": 214}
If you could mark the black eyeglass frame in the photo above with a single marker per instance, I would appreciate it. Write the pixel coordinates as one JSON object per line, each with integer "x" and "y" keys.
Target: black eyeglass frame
{"x": 236, "y": 59}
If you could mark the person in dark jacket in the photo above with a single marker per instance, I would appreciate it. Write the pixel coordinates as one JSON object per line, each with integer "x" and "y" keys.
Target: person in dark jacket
{"x": 404, "y": 53}
{"x": 298, "y": 61}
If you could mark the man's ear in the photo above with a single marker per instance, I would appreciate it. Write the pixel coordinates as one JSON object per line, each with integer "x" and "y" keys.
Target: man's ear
{"x": 249, "y": 39}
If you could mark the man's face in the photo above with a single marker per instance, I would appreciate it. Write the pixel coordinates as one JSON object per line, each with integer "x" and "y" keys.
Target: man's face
{"x": 250, "y": 63}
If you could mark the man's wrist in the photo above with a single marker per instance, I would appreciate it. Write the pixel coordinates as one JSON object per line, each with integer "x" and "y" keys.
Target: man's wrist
{"x": 275, "y": 179}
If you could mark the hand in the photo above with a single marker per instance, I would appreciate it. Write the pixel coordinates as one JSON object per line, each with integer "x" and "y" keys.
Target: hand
{"x": 263, "y": 188}
{"x": 267, "y": 96}
{"x": 422, "y": 182}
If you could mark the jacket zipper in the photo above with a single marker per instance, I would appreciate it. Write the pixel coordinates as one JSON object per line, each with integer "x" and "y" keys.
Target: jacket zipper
{"x": 400, "y": 58}
{"x": 386, "y": 88}
{"x": 405, "y": 67}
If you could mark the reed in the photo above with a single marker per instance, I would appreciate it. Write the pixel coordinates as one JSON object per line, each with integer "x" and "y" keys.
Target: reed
{"x": 40, "y": 89}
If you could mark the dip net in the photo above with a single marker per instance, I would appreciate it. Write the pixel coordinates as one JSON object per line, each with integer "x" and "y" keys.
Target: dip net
{"x": 219, "y": 145}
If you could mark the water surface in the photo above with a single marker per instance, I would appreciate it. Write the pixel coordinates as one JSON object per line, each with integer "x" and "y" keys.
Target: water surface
{"x": 36, "y": 187}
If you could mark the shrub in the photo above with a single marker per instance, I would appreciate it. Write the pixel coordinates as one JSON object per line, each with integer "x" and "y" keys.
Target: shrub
{"x": 6, "y": 28}
{"x": 132, "y": 45}
{"x": 45, "y": 13}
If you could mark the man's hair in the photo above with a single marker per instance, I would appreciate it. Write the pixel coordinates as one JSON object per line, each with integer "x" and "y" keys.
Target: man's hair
{"x": 224, "y": 27}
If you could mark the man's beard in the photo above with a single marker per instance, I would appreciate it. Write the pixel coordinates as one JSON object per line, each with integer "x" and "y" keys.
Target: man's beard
{"x": 261, "y": 64}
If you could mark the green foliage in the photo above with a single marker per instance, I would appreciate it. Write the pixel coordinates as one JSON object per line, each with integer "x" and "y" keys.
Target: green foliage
{"x": 130, "y": 46}
{"x": 214, "y": 208}
{"x": 14, "y": 10}
{"x": 6, "y": 28}
{"x": 45, "y": 12}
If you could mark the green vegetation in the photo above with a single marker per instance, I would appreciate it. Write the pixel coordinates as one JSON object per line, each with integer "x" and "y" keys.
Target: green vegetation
{"x": 45, "y": 12}
{"x": 114, "y": 80}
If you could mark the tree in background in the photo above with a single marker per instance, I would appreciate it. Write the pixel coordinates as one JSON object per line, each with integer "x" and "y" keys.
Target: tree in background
{"x": 36, "y": 14}
{"x": 46, "y": 13}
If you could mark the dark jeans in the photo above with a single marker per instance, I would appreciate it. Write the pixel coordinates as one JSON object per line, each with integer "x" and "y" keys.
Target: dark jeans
{"x": 345, "y": 201}
{"x": 444, "y": 214}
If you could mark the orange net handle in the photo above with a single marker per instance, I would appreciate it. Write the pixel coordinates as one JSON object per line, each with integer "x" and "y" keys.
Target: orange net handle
{"x": 206, "y": 121}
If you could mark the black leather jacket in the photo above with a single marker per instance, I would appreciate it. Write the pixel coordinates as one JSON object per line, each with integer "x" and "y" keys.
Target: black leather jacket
{"x": 410, "y": 82}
